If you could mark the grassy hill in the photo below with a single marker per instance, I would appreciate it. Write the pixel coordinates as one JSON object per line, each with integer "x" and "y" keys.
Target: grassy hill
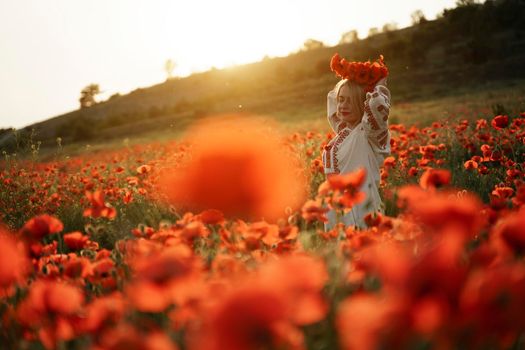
{"x": 474, "y": 49}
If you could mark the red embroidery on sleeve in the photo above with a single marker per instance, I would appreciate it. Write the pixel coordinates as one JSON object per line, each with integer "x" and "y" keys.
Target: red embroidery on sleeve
{"x": 340, "y": 138}
{"x": 342, "y": 126}
{"x": 371, "y": 119}
{"x": 382, "y": 138}
{"x": 384, "y": 110}
{"x": 328, "y": 156}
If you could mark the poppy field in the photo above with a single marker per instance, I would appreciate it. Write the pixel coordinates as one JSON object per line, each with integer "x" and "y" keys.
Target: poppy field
{"x": 217, "y": 241}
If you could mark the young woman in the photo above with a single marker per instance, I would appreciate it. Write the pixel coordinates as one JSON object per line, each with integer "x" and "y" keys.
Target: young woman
{"x": 360, "y": 121}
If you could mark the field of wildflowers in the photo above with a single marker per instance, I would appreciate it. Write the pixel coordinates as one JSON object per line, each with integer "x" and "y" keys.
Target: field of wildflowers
{"x": 217, "y": 241}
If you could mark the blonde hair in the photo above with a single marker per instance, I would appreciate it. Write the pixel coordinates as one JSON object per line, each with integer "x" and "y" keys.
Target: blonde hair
{"x": 357, "y": 93}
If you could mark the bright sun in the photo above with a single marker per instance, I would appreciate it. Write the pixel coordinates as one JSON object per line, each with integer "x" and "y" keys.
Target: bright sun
{"x": 123, "y": 44}
{"x": 222, "y": 36}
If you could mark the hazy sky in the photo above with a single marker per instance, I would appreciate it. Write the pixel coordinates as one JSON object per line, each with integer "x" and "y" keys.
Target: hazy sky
{"x": 51, "y": 49}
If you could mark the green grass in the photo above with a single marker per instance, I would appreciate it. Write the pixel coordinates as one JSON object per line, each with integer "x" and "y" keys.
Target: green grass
{"x": 459, "y": 103}
{"x": 462, "y": 104}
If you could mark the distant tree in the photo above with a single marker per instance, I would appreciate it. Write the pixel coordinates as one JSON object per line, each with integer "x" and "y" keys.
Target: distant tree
{"x": 87, "y": 95}
{"x": 389, "y": 27}
{"x": 373, "y": 31}
{"x": 169, "y": 67}
{"x": 114, "y": 96}
{"x": 349, "y": 37}
{"x": 461, "y": 3}
{"x": 418, "y": 17}
{"x": 312, "y": 44}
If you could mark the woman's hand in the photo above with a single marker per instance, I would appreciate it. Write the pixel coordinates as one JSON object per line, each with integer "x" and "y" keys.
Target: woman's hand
{"x": 382, "y": 82}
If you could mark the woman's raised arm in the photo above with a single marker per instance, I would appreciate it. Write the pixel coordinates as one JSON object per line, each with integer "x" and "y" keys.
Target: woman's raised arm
{"x": 375, "y": 119}
{"x": 331, "y": 111}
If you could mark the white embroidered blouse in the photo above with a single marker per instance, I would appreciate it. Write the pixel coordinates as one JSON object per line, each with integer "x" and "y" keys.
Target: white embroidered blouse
{"x": 366, "y": 145}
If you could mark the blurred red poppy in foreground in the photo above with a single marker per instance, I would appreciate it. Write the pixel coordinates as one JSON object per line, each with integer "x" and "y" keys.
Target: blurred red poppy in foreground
{"x": 443, "y": 210}
{"x": 433, "y": 178}
{"x": 75, "y": 240}
{"x": 510, "y": 232}
{"x": 49, "y": 310}
{"x": 162, "y": 277}
{"x": 347, "y": 187}
{"x": 363, "y": 320}
{"x": 13, "y": 263}
{"x": 238, "y": 167}
{"x": 252, "y": 317}
{"x": 41, "y": 226}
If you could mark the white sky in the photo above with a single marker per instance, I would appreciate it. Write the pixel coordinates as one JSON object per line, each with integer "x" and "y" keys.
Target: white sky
{"x": 51, "y": 49}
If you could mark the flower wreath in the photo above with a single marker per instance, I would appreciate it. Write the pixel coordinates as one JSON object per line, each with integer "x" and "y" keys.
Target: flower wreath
{"x": 364, "y": 73}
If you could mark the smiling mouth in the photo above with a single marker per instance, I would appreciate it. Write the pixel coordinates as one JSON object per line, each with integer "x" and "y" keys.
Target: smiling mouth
{"x": 345, "y": 113}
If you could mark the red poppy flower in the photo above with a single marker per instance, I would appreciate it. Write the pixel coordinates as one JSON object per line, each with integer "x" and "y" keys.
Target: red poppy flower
{"x": 442, "y": 210}
{"x": 144, "y": 169}
{"x": 365, "y": 321}
{"x": 102, "y": 311}
{"x": 519, "y": 198}
{"x": 389, "y": 162}
{"x": 300, "y": 279}
{"x": 212, "y": 217}
{"x": 40, "y": 226}
{"x": 373, "y": 219}
{"x": 412, "y": 171}
{"x": 194, "y": 230}
{"x": 103, "y": 270}
{"x": 125, "y": 336}
{"x": 375, "y": 72}
{"x": 78, "y": 268}
{"x": 429, "y": 314}
{"x": 99, "y": 208}
{"x": 312, "y": 211}
{"x": 491, "y": 304}
{"x": 239, "y": 168}
{"x": 433, "y": 178}
{"x": 470, "y": 165}
{"x": 75, "y": 240}
{"x": 363, "y": 73}
{"x": 335, "y": 63}
{"x": 500, "y": 122}
{"x": 252, "y": 317}
{"x": 158, "y": 278}
{"x": 14, "y": 264}
{"x": 483, "y": 170}
{"x": 511, "y": 231}
{"x": 503, "y": 192}
{"x": 49, "y": 310}
{"x": 347, "y": 187}
{"x": 119, "y": 169}
{"x": 350, "y": 181}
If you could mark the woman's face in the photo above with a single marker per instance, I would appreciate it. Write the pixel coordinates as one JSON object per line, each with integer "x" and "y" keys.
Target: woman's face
{"x": 344, "y": 106}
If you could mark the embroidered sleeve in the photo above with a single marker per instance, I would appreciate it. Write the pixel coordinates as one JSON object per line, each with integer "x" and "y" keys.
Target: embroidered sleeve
{"x": 375, "y": 118}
